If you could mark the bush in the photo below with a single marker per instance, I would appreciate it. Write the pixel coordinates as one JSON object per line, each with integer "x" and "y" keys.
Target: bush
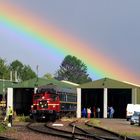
{"x": 22, "y": 118}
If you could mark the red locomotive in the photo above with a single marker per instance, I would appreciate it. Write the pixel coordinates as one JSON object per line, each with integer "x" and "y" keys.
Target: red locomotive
{"x": 46, "y": 103}
{"x": 49, "y": 102}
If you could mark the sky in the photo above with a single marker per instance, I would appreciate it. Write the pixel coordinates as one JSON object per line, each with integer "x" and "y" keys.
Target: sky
{"x": 105, "y": 35}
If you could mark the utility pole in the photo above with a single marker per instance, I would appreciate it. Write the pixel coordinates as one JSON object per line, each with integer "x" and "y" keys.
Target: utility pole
{"x": 3, "y": 87}
{"x": 37, "y": 70}
{"x": 36, "y": 83}
{"x": 11, "y": 76}
{"x": 3, "y": 84}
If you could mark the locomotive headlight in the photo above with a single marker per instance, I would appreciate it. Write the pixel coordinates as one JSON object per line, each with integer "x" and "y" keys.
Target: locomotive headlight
{"x": 53, "y": 106}
{"x": 43, "y": 97}
{"x": 42, "y": 106}
{"x": 32, "y": 106}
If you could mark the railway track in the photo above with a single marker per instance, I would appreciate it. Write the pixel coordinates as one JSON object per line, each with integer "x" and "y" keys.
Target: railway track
{"x": 48, "y": 130}
{"x": 4, "y": 138}
{"x": 100, "y": 132}
{"x": 86, "y": 132}
{"x": 76, "y": 133}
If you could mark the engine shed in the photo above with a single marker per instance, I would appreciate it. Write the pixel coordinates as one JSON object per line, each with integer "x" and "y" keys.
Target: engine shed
{"x": 20, "y": 95}
{"x": 106, "y": 92}
{"x": 101, "y": 93}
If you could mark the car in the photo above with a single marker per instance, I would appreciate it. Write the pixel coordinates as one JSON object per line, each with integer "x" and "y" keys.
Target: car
{"x": 135, "y": 119}
{"x": 130, "y": 110}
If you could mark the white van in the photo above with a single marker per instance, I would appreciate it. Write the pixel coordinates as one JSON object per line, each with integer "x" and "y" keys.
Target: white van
{"x": 130, "y": 110}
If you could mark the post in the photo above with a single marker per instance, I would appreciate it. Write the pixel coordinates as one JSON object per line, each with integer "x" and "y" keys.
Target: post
{"x": 105, "y": 103}
{"x": 139, "y": 119}
{"x": 10, "y": 97}
{"x": 73, "y": 131}
{"x": 78, "y": 102}
{"x": 134, "y": 95}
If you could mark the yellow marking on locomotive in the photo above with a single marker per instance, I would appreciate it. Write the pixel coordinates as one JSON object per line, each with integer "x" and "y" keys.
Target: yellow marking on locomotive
{"x": 35, "y": 104}
{"x": 53, "y": 104}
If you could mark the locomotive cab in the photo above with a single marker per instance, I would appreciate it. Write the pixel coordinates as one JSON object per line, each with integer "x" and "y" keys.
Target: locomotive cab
{"x": 46, "y": 104}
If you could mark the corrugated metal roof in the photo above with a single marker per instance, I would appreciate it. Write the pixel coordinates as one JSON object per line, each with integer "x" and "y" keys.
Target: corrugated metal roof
{"x": 108, "y": 83}
{"x": 4, "y": 84}
{"x": 101, "y": 83}
{"x": 70, "y": 82}
{"x": 41, "y": 82}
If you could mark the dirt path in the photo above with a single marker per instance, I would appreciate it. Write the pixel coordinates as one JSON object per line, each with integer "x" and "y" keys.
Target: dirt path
{"x": 121, "y": 126}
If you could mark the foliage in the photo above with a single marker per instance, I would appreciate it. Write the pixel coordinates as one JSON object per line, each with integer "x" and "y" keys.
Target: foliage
{"x": 2, "y": 128}
{"x": 48, "y": 76}
{"x": 4, "y": 69}
{"x": 73, "y": 69}
{"x": 24, "y": 72}
{"x": 16, "y": 66}
{"x": 27, "y": 73}
{"x": 22, "y": 119}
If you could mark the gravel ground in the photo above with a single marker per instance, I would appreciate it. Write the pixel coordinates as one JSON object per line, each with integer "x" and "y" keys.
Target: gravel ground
{"x": 20, "y": 132}
{"x": 121, "y": 126}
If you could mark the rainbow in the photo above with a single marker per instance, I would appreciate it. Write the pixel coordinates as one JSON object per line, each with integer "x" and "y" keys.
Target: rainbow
{"x": 54, "y": 40}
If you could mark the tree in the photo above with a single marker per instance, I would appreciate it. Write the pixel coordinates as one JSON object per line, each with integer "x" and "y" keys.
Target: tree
{"x": 74, "y": 70}
{"x": 16, "y": 67}
{"x": 23, "y": 72}
{"x": 4, "y": 70}
{"x": 27, "y": 73}
{"x": 48, "y": 76}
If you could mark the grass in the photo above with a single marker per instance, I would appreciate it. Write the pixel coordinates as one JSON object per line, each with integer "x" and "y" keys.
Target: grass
{"x": 68, "y": 119}
{"x": 95, "y": 122}
{"x": 132, "y": 134}
{"x": 2, "y": 128}
{"x": 22, "y": 119}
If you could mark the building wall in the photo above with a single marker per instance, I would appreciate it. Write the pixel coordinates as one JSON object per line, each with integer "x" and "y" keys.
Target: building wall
{"x": 138, "y": 96}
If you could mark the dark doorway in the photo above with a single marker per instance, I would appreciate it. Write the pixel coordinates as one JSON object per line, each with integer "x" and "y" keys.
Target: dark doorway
{"x": 22, "y": 100}
{"x": 119, "y": 98}
{"x": 91, "y": 98}
{"x": 1, "y": 97}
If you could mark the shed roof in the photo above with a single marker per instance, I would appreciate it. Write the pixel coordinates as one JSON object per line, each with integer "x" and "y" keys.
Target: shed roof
{"x": 41, "y": 82}
{"x": 108, "y": 83}
{"x": 4, "y": 84}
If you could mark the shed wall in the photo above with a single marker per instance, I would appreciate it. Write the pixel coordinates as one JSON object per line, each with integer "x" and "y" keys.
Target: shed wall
{"x": 138, "y": 96}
